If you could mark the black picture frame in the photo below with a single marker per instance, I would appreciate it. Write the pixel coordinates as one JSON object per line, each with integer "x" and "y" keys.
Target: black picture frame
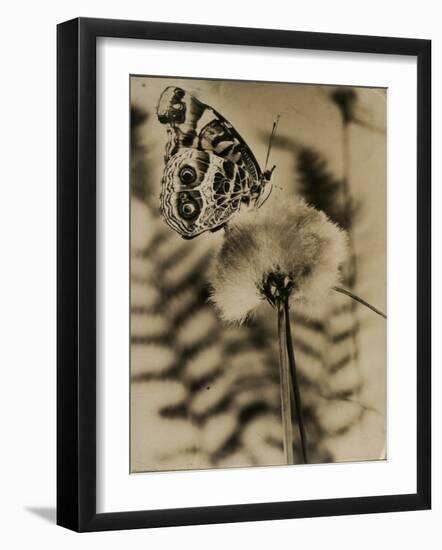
{"x": 76, "y": 274}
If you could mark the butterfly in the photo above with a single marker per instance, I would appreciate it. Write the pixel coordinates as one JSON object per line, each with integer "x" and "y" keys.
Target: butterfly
{"x": 210, "y": 172}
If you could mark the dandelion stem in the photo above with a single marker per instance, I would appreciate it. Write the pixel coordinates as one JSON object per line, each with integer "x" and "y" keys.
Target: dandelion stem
{"x": 285, "y": 388}
{"x": 296, "y": 391}
{"x": 358, "y": 299}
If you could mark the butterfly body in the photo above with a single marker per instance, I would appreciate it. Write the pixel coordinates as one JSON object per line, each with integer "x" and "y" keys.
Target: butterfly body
{"x": 210, "y": 172}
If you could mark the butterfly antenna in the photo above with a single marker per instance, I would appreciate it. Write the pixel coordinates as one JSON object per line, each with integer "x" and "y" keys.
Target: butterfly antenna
{"x": 269, "y": 148}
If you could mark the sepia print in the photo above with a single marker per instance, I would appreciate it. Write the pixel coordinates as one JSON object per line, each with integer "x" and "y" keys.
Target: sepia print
{"x": 258, "y": 274}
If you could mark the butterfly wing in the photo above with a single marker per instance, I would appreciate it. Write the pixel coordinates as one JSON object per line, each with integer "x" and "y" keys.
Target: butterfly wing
{"x": 229, "y": 177}
{"x": 180, "y": 112}
{"x": 222, "y": 138}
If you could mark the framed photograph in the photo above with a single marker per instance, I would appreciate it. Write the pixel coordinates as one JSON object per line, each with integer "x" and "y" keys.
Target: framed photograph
{"x": 243, "y": 274}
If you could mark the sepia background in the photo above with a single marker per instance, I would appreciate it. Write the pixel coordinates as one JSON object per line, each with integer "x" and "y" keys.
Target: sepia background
{"x": 204, "y": 394}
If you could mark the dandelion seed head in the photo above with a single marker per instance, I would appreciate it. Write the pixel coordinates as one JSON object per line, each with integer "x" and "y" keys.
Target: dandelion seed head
{"x": 293, "y": 242}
